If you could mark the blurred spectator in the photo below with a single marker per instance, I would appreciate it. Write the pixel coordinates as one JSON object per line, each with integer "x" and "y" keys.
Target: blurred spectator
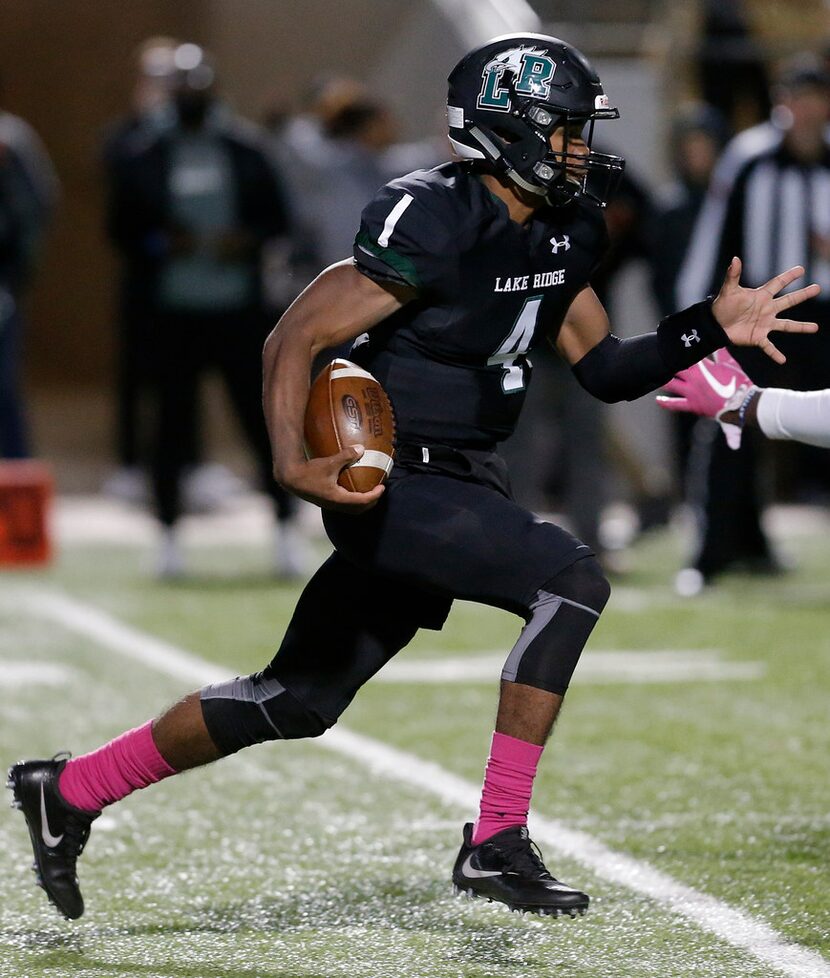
{"x": 552, "y": 472}
{"x": 297, "y": 144}
{"x": 333, "y": 155}
{"x": 628, "y": 218}
{"x": 698, "y": 134}
{"x": 16, "y": 242}
{"x": 193, "y": 208}
{"x": 40, "y": 180}
{"x": 733, "y": 76}
{"x": 290, "y": 261}
{"x": 28, "y": 195}
{"x": 155, "y": 70}
{"x": 422, "y": 154}
{"x": 298, "y": 140}
{"x": 769, "y": 202}
{"x": 357, "y": 130}
{"x": 148, "y": 116}
{"x": 325, "y": 155}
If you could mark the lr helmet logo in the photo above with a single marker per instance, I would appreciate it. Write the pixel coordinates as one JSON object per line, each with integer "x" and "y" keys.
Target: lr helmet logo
{"x": 564, "y": 244}
{"x": 531, "y": 69}
{"x": 690, "y": 338}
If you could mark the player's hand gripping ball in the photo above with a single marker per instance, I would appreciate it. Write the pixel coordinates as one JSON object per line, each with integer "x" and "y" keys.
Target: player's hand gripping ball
{"x": 347, "y": 406}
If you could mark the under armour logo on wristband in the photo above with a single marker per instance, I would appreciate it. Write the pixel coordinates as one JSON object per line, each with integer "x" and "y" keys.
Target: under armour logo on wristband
{"x": 691, "y": 338}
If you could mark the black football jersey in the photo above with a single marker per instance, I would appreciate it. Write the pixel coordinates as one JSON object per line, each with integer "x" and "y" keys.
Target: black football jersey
{"x": 454, "y": 360}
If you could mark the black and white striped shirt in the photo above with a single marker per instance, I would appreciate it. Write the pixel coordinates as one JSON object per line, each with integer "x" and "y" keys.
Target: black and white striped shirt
{"x": 764, "y": 206}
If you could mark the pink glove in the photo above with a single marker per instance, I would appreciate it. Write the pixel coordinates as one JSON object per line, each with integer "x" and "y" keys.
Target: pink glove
{"x": 710, "y": 388}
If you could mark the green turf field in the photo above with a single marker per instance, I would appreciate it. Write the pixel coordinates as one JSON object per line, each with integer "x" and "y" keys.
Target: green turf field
{"x": 299, "y": 860}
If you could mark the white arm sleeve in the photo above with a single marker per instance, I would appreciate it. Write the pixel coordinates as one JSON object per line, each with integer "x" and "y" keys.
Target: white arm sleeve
{"x": 795, "y": 415}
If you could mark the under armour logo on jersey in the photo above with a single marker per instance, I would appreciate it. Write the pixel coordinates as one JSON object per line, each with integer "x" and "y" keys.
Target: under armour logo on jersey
{"x": 565, "y": 244}
{"x": 691, "y": 338}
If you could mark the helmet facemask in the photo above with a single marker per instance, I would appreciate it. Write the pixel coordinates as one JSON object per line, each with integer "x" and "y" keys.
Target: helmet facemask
{"x": 591, "y": 175}
{"x": 524, "y": 153}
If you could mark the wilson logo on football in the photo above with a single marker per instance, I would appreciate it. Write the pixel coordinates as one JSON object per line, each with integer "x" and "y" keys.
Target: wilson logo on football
{"x": 351, "y": 409}
{"x": 374, "y": 410}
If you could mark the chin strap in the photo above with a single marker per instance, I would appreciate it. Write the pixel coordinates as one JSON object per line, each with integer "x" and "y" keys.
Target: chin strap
{"x": 526, "y": 185}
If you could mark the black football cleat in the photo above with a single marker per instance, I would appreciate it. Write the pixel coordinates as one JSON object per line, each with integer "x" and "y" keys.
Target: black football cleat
{"x": 58, "y": 830}
{"x": 508, "y": 868}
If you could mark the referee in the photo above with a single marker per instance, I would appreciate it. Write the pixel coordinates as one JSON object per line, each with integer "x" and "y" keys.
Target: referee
{"x": 769, "y": 202}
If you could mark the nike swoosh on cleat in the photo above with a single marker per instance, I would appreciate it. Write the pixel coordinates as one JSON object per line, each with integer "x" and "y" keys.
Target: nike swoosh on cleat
{"x": 470, "y": 872}
{"x": 722, "y": 390}
{"x": 48, "y": 838}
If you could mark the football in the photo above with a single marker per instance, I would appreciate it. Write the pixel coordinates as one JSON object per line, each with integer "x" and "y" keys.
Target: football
{"x": 347, "y": 406}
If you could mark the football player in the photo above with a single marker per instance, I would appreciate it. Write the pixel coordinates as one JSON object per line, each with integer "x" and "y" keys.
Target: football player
{"x": 720, "y": 389}
{"x": 458, "y": 272}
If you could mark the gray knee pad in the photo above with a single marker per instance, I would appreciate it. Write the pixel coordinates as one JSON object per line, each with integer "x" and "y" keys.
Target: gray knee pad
{"x": 252, "y": 709}
{"x": 561, "y": 616}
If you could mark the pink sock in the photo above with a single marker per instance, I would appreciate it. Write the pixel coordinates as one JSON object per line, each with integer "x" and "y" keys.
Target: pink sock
{"x": 113, "y": 771}
{"x": 508, "y": 783}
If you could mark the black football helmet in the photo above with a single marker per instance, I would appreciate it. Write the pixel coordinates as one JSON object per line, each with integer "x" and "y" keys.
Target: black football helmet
{"x": 507, "y": 97}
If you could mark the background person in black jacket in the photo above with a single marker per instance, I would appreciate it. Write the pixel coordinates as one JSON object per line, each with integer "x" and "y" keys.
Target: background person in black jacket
{"x": 698, "y": 134}
{"x": 194, "y": 208}
{"x": 27, "y": 198}
{"x": 769, "y": 202}
{"x": 13, "y": 264}
{"x": 147, "y": 117}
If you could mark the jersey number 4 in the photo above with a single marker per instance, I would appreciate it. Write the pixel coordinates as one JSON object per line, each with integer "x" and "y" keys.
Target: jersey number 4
{"x": 515, "y": 345}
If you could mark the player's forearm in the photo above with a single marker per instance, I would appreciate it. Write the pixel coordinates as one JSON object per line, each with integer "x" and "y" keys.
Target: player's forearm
{"x": 790, "y": 415}
{"x": 625, "y": 369}
{"x": 286, "y": 360}
{"x": 311, "y": 324}
{"x": 339, "y": 305}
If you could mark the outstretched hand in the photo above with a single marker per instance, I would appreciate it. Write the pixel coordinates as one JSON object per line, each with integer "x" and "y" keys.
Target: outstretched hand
{"x": 748, "y": 316}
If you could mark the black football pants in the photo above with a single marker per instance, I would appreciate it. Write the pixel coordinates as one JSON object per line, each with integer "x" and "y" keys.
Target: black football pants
{"x": 397, "y": 568}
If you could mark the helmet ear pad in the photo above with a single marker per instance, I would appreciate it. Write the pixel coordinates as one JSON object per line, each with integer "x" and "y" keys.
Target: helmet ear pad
{"x": 519, "y": 148}
{"x": 520, "y": 145}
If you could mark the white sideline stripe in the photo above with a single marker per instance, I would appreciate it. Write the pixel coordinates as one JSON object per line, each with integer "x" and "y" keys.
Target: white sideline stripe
{"x": 595, "y": 668}
{"x": 15, "y": 675}
{"x": 732, "y": 926}
{"x": 127, "y": 641}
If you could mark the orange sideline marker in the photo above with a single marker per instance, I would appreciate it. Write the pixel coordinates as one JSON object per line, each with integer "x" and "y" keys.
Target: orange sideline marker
{"x": 26, "y": 489}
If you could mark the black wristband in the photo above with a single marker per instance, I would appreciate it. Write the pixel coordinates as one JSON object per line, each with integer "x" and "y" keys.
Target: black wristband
{"x": 685, "y": 337}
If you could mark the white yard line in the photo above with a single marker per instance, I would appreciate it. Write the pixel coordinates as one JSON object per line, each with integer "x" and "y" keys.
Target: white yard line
{"x": 730, "y": 925}
{"x": 14, "y": 675}
{"x": 595, "y": 667}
